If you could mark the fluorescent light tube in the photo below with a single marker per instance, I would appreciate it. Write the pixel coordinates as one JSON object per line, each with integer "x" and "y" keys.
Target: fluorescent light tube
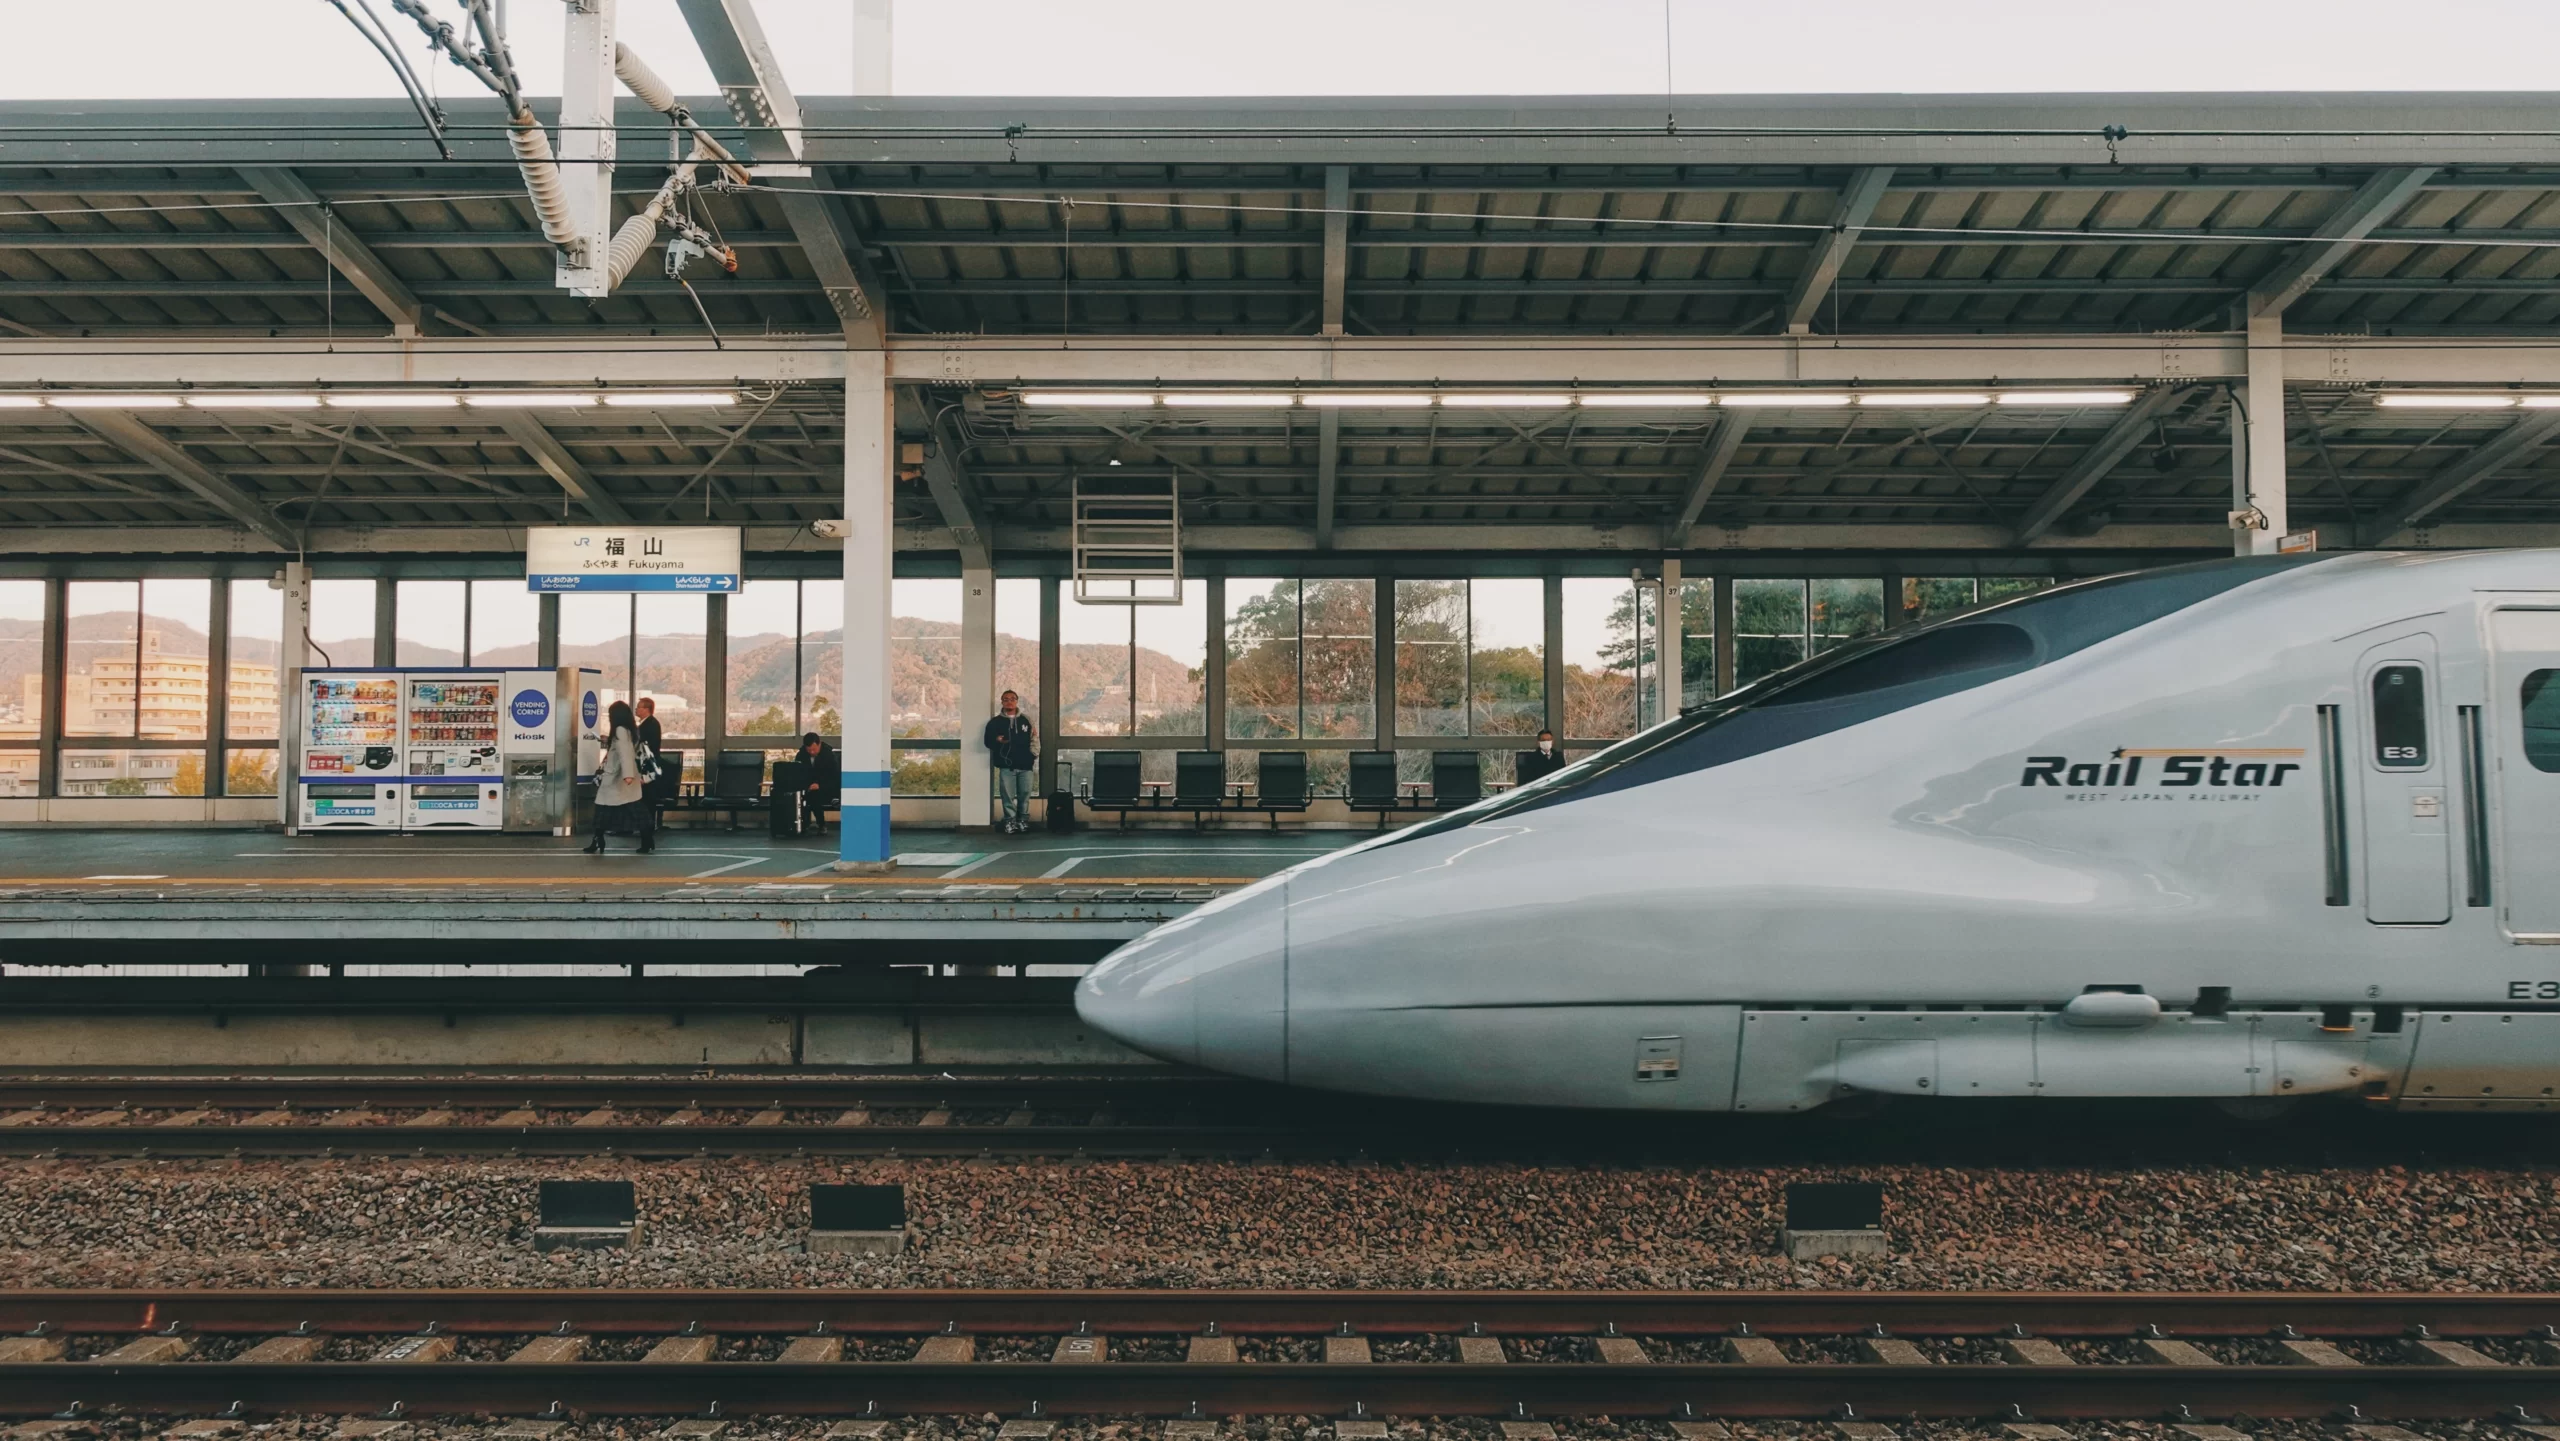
{"x": 20, "y": 402}
{"x": 1402, "y": 398}
{"x": 1922, "y": 397}
{"x": 668, "y": 399}
{"x": 2541, "y": 402}
{"x": 1776, "y": 398}
{"x": 91, "y": 400}
{"x": 391, "y": 400}
{"x": 527, "y": 400}
{"x": 250, "y": 400}
{"x": 1641, "y": 399}
{"x": 1233, "y": 400}
{"x": 2445, "y": 400}
{"x": 2066, "y": 397}
{"x": 1067, "y": 399}
{"x": 1506, "y": 400}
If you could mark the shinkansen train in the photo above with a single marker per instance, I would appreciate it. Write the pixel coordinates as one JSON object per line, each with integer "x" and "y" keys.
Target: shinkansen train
{"x": 2245, "y": 830}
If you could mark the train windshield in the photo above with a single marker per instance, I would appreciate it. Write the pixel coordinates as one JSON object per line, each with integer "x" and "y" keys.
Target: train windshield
{"x": 1866, "y": 679}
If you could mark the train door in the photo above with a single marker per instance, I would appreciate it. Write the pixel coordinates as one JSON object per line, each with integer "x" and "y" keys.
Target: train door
{"x": 2408, "y": 842}
{"x": 2525, "y": 671}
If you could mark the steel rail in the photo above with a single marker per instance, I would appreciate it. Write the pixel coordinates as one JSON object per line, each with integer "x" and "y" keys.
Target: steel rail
{"x": 1160, "y": 1388}
{"x": 1167, "y": 1086}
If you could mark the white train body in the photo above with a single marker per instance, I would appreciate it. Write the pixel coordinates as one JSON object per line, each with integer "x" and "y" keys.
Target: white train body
{"x": 2249, "y": 829}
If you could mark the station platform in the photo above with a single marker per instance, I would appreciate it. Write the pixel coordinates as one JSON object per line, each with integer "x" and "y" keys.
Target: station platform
{"x": 225, "y": 898}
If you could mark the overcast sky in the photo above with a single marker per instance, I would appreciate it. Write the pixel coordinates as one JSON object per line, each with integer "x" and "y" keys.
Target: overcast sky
{"x": 97, "y": 49}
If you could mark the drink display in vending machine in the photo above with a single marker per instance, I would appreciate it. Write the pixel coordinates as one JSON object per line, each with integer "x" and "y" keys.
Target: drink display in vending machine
{"x": 349, "y": 776}
{"x": 453, "y": 771}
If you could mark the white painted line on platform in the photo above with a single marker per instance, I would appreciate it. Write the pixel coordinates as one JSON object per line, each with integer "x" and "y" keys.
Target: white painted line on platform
{"x": 124, "y": 878}
{"x": 990, "y": 858}
{"x": 935, "y": 858}
{"x": 732, "y": 866}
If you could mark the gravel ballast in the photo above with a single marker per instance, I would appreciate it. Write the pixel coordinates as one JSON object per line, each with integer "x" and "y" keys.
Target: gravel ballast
{"x": 365, "y": 1222}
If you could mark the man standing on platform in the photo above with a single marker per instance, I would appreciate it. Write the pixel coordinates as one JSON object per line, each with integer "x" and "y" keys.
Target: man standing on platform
{"x": 1011, "y": 739}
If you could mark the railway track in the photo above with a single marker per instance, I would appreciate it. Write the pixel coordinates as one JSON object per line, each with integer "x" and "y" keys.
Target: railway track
{"x": 1140, "y": 1114}
{"x": 1697, "y": 1355}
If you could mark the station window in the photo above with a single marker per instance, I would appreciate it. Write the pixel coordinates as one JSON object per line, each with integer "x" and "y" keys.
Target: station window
{"x": 595, "y": 631}
{"x": 822, "y": 656}
{"x": 1470, "y": 657}
{"x": 252, "y": 677}
{"x": 764, "y": 660}
{"x": 431, "y": 623}
{"x": 506, "y": 623}
{"x": 1128, "y": 670}
{"x": 1612, "y": 640}
{"x": 1697, "y": 642}
{"x": 924, "y": 659}
{"x": 669, "y": 657}
{"x": 341, "y": 622}
{"x": 1017, "y": 650}
{"x": 1926, "y": 598}
{"x": 1777, "y": 623}
{"x": 21, "y": 676}
{"x": 1301, "y": 659}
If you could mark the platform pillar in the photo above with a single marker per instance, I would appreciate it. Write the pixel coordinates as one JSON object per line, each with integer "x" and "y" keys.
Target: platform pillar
{"x": 292, "y": 654}
{"x": 870, "y": 448}
{"x": 2257, "y": 439}
{"x": 977, "y": 696}
{"x": 1666, "y": 643}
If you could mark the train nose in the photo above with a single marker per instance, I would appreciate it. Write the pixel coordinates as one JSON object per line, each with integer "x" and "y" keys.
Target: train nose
{"x": 1209, "y": 988}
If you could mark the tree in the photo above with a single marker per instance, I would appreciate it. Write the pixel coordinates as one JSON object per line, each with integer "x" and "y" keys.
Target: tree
{"x": 773, "y": 720}
{"x": 250, "y": 773}
{"x": 189, "y": 780}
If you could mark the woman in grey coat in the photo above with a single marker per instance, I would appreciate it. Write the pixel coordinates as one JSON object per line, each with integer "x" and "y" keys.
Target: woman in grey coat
{"x": 620, "y": 788}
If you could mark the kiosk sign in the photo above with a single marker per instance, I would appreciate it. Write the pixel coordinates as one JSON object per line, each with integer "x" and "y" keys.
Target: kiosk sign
{"x": 702, "y": 559}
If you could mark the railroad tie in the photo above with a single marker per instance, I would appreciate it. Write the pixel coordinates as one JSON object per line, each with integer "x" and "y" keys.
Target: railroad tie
{"x": 858, "y": 1116}
{"x": 1221, "y": 1351}
{"x": 1864, "y": 1431}
{"x": 1755, "y": 1351}
{"x": 1623, "y": 1351}
{"x": 528, "y": 1430}
{"x": 148, "y": 1351}
{"x": 813, "y": 1351}
{"x": 863, "y": 1430}
{"x": 416, "y": 1351}
{"x": 604, "y": 1115}
{"x": 1891, "y": 1351}
{"x": 1342, "y": 1350}
{"x": 1080, "y": 1350}
{"x": 1479, "y": 1351}
{"x": 683, "y": 1351}
{"x": 281, "y": 1351}
{"x": 2034, "y": 1431}
{"x": 948, "y": 1350}
{"x": 438, "y": 1117}
{"x": 28, "y": 1350}
{"x": 2033, "y": 1351}
{"x": 185, "y": 1118}
{"x": 2311, "y": 1353}
{"x": 521, "y": 1116}
{"x": 23, "y": 1118}
{"x": 103, "y": 1118}
{"x": 2432, "y": 1352}
{"x": 2202, "y": 1432}
{"x": 698, "y": 1428}
{"x": 1027, "y": 1428}
{"x": 2166, "y": 1352}
{"x": 769, "y": 1116}
{"x": 1701, "y": 1431}
{"x": 1185, "y": 1430}
{"x": 204, "y": 1427}
{"x": 1528, "y": 1431}
{"x": 685, "y": 1117}
{"x": 2383, "y": 1433}
{"x": 366, "y": 1429}
{"x": 549, "y": 1351}
{"x": 357, "y": 1117}
{"x": 1359, "y": 1430}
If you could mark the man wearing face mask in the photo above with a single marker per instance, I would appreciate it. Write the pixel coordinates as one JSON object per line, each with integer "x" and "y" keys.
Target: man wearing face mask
{"x": 1546, "y": 760}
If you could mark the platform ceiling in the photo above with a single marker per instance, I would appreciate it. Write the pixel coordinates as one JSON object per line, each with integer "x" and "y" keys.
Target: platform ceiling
{"x": 1974, "y": 221}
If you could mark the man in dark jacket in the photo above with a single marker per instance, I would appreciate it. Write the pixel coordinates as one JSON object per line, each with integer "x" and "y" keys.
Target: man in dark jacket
{"x": 1011, "y": 741}
{"x": 1546, "y": 760}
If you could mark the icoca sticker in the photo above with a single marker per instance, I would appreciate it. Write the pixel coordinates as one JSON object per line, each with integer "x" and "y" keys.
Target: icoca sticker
{"x": 530, "y": 708}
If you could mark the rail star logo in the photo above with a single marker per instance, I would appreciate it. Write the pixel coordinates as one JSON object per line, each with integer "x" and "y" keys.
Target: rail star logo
{"x": 2167, "y": 767}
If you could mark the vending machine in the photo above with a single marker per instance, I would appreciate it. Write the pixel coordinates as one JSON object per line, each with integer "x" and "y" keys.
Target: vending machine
{"x": 542, "y": 746}
{"x": 455, "y": 778}
{"x": 348, "y": 774}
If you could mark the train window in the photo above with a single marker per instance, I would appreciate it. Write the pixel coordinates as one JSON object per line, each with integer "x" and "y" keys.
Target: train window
{"x": 2400, "y": 718}
{"x": 2541, "y": 706}
{"x": 1864, "y": 680}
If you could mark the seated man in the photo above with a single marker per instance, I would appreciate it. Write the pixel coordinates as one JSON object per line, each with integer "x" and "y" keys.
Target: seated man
{"x": 822, "y": 781}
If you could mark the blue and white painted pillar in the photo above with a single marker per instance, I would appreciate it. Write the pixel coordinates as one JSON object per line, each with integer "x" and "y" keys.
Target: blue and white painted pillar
{"x": 870, "y": 453}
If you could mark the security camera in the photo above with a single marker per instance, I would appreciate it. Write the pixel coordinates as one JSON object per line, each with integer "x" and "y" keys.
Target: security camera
{"x": 831, "y": 529}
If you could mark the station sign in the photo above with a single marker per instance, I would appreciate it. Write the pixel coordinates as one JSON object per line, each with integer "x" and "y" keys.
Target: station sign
{"x": 701, "y": 558}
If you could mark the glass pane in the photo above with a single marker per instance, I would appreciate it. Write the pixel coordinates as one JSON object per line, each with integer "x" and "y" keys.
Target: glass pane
{"x": 1338, "y": 639}
{"x": 595, "y": 630}
{"x": 1075, "y": 770}
{"x": 1846, "y": 610}
{"x": 1262, "y": 663}
{"x": 250, "y": 686}
{"x": 821, "y": 656}
{"x": 1768, "y": 627}
{"x": 2540, "y": 721}
{"x": 2400, "y": 717}
{"x": 506, "y": 623}
{"x": 1018, "y": 646}
{"x": 1093, "y": 666}
{"x": 2002, "y": 588}
{"x": 99, "y": 655}
{"x": 926, "y": 773}
{"x": 427, "y": 623}
{"x": 1507, "y": 660}
{"x": 21, "y": 667}
{"x": 132, "y": 773}
{"x": 1171, "y": 680}
{"x": 19, "y": 774}
{"x": 1608, "y": 656}
{"x": 1697, "y": 642}
{"x": 670, "y": 650}
{"x": 341, "y": 622}
{"x": 1929, "y": 597}
{"x": 249, "y": 772}
{"x": 174, "y": 687}
{"x": 764, "y": 681}
{"x": 1431, "y": 657}
{"x": 924, "y": 660}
